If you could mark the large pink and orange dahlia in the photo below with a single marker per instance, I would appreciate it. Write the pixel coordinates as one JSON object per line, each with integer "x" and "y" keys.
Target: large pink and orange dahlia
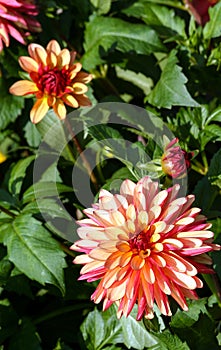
{"x": 144, "y": 245}
{"x": 16, "y": 20}
{"x": 56, "y": 80}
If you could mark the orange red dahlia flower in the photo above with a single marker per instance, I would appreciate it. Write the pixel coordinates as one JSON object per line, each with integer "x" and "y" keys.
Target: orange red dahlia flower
{"x": 144, "y": 245}
{"x": 16, "y": 20}
{"x": 55, "y": 79}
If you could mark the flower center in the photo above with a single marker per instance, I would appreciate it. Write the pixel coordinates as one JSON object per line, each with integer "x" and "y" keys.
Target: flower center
{"x": 145, "y": 242}
{"x": 54, "y": 82}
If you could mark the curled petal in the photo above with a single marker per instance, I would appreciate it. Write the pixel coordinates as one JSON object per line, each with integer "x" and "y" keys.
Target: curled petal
{"x": 63, "y": 58}
{"x": 54, "y": 47}
{"x": 28, "y": 64}
{"x": 79, "y": 88}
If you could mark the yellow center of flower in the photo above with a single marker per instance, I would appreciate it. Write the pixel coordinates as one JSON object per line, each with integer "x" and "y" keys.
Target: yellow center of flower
{"x": 145, "y": 242}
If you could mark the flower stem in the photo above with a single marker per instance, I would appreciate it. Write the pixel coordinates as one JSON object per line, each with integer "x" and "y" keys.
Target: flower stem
{"x": 214, "y": 285}
{"x": 67, "y": 250}
{"x": 205, "y": 162}
{"x": 197, "y": 166}
{"x": 64, "y": 310}
{"x": 8, "y": 212}
{"x": 81, "y": 154}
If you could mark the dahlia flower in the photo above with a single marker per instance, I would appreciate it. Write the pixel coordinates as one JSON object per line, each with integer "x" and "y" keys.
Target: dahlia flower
{"x": 16, "y": 19}
{"x": 200, "y": 8}
{"x": 56, "y": 80}
{"x": 144, "y": 245}
{"x": 175, "y": 161}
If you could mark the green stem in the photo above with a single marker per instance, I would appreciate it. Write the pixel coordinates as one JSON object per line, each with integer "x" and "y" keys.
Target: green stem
{"x": 205, "y": 162}
{"x": 8, "y": 212}
{"x": 170, "y": 3}
{"x": 99, "y": 170}
{"x": 81, "y": 154}
{"x": 62, "y": 311}
{"x": 67, "y": 250}
{"x": 214, "y": 285}
{"x": 198, "y": 168}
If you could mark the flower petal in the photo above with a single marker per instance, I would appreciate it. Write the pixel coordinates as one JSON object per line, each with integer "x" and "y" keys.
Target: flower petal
{"x": 60, "y": 109}
{"x": 23, "y": 87}
{"x": 53, "y": 46}
{"x": 39, "y": 110}
{"x": 28, "y": 64}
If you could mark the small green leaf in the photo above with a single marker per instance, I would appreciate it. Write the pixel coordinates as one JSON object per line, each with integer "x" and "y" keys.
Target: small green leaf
{"x": 214, "y": 174}
{"x": 102, "y": 7}
{"x": 44, "y": 189}
{"x": 10, "y": 106}
{"x": 8, "y": 320}
{"x": 138, "y": 79}
{"x": 105, "y": 33}
{"x": 18, "y": 174}
{"x": 212, "y": 28}
{"x": 204, "y": 195}
{"x": 25, "y": 337}
{"x": 42, "y": 258}
{"x": 134, "y": 333}
{"x": 93, "y": 330}
{"x": 170, "y": 89}
{"x": 160, "y": 17}
{"x": 48, "y": 206}
{"x": 184, "y": 319}
{"x": 168, "y": 341}
{"x": 5, "y": 270}
{"x": 51, "y": 130}
{"x": 32, "y": 135}
{"x": 101, "y": 329}
{"x": 201, "y": 335}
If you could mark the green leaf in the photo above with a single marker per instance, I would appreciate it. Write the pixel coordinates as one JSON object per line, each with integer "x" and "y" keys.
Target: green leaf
{"x": 204, "y": 195}
{"x": 34, "y": 252}
{"x": 48, "y": 206}
{"x": 8, "y": 320}
{"x": 184, "y": 319}
{"x": 18, "y": 174}
{"x": 100, "y": 329}
{"x": 195, "y": 326}
{"x": 20, "y": 284}
{"x": 170, "y": 89}
{"x": 5, "y": 270}
{"x": 134, "y": 333}
{"x": 161, "y": 18}
{"x": 201, "y": 335}
{"x": 10, "y": 106}
{"x": 168, "y": 341}
{"x": 32, "y": 135}
{"x": 44, "y": 189}
{"x": 216, "y": 227}
{"x": 105, "y": 33}
{"x": 102, "y": 7}
{"x": 25, "y": 337}
{"x": 219, "y": 338}
{"x": 138, "y": 79}
{"x": 214, "y": 174}
{"x": 212, "y": 28}
{"x": 51, "y": 130}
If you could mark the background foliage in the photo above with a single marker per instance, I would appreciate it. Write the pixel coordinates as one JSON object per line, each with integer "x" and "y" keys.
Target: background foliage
{"x": 150, "y": 53}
